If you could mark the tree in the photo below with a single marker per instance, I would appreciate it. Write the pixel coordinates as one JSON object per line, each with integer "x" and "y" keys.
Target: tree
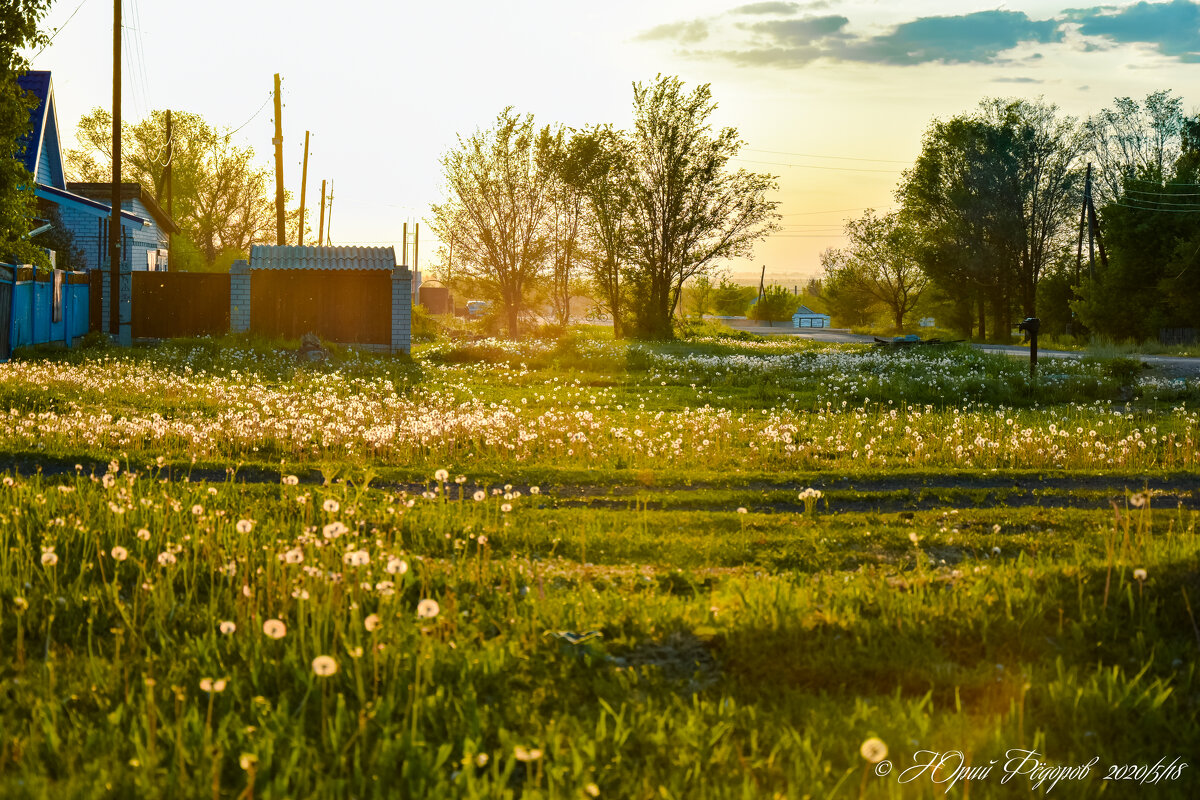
{"x": 497, "y": 206}
{"x": 994, "y": 196}
{"x": 688, "y": 210}
{"x": 18, "y": 204}
{"x": 845, "y": 299}
{"x": 222, "y": 200}
{"x": 880, "y": 261}
{"x": 731, "y": 299}
{"x": 568, "y": 160}
{"x": 1135, "y": 142}
{"x": 777, "y": 304}
{"x": 605, "y": 179}
{"x": 702, "y": 291}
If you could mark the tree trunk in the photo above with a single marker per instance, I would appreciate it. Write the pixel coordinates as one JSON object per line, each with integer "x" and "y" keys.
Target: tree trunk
{"x": 982, "y": 317}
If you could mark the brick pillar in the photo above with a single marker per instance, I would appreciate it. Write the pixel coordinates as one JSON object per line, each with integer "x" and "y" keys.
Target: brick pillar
{"x": 125, "y": 305}
{"x": 239, "y": 297}
{"x": 401, "y": 310}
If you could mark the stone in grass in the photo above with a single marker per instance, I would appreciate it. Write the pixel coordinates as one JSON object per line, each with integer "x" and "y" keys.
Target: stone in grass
{"x": 311, "y": 348}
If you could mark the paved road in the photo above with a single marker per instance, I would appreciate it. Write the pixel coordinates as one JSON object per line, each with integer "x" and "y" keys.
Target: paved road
{"x": 1171, "y": 365}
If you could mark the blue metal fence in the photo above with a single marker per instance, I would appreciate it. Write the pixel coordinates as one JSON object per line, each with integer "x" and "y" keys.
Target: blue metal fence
{"x": 42, "y": 307}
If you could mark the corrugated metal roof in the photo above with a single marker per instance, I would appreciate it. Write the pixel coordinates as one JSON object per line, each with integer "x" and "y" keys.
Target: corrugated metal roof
{"x": 269, "y": 256}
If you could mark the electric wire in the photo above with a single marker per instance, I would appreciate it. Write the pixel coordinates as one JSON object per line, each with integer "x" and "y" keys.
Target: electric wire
{"x": 59, "y": 29}
{"x": 815, "y": 155}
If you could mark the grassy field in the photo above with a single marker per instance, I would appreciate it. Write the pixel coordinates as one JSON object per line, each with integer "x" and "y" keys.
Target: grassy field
{"x": 580, "y": 568}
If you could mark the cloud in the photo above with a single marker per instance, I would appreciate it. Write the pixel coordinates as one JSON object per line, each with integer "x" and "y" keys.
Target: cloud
{"x": 1017, "y": 80}
{"x": 1172, "y": 28}
{"x": 682, "y": 32}
{"x": 969, "y": 38}
{"x": 788, "y": 34}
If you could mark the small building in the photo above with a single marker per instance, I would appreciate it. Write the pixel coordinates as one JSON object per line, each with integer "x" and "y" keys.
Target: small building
{"x": 85, "y": 209}
{"x": 149, "y": 244}
{"x": 349, "y": 295}
{"x": 807, "y": 318}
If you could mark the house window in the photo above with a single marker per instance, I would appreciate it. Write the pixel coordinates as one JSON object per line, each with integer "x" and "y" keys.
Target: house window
{"x": 59, "y": 279}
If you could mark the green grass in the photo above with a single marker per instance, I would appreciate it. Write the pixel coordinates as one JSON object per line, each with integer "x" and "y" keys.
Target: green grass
{"x": 979, "y": 593}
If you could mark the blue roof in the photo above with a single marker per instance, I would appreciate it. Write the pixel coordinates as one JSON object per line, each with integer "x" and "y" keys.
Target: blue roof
{"x": 269, "y": 256}
{"x": 38, "y": 82}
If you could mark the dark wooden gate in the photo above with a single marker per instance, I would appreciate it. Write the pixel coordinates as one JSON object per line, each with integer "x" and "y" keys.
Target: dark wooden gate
{"x": 348, "y": 306}
{"x": 171, "y": 304}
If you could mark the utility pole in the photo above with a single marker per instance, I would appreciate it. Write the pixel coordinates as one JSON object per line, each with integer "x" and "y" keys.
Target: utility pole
{"x": 404, "y": 247}
{"x": 329, "y": 227}
{"x": 321, "y": 234}
{"x": 278, "y": 140}
{"x": 416, "y": 243}
{"x": 114, "y": 224}
{"x": 1087, "y": 192}
{"x": 303, "y": 187}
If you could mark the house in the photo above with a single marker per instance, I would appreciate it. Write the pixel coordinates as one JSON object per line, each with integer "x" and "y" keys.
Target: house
{"x": 85, "y": 208}
{"x": 807, "y": 318}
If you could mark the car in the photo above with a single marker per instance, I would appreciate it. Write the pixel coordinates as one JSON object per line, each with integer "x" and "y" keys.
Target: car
{"x": 477, "y": 308}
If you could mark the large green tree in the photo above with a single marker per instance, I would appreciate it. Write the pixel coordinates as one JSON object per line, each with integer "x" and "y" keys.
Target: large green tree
{"x": 222, "y": 199}
{"x": 688, "y": 210}
{"x": 994, "y": 194}
{"x": 18, "y": 205}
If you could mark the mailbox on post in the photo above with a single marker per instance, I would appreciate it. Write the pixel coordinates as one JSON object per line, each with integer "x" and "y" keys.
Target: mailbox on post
{"x": 1030, "y": 326}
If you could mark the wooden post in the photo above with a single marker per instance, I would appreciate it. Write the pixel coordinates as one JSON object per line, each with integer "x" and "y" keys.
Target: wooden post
{"x": 321, "y": 234}
{"x": 278, "y": 141}
{"x": 114, "y": 225}
{"x": 303, "y": 188}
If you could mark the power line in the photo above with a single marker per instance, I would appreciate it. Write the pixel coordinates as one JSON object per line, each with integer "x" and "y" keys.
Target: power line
{"x": 59, "y": 29}
{"x": 815, "y": 155}
{"x": 252, "y": 117}
{"x": 1193, "y": 210}
{"x": 830, "y": 211}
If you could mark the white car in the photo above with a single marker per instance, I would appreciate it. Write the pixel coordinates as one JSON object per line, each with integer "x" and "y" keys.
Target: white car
{"x": 477, "y": 308}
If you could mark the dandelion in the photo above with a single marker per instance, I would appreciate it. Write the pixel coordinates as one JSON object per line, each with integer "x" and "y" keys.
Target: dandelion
{"x": 197, "y": 510}
{"x": 1139, "y": 575}
{"x": 592, "y": 790}
{"x": 108, "y": 481}
{"x": 294, "y": 556}
{"x": 211, "y": 686}
{"x": 49, "y": 558}
{"x": 428, "y": 609}
{"x": 479, "y": 495}
{"x": 1138, "y": 500}
{"x": 913, "y": 537}
{"x": 996, "y": 528}
{"x": 275, "y": 628}
{"x": 334, "y": 530}
{"x": 245, "y": 525}
{"x": 996, "y": 551}
{"x": 143, "y": 534}
{"x": 356, "y": 558}
{"x": 372, "y": 622}
{"x": 119, "y": 553}
{"x": 331, "y": 505}
{"x": 324, "y": 666}
{"x": 227, "y": 627}
{"x": 535, "y": 490}
{"x": 742, "y": 510}
{"x": 166, "y": 559}
{"x": 356, "y": 652}
{"x": 21, "y": 603}
{"x": 397, "y": 566}
{"x": 441, "y": 476}
{"x": 873, "y": 750}
{"x": 247, "y": 761}
{"x": 461, "y": 479}
{"x": 481, "y": 760}
{"x": 290, "y": 480}
{"x": 506, "y": 507}
{"x": 526, "y": 755}
{"x": 482, "y": 540}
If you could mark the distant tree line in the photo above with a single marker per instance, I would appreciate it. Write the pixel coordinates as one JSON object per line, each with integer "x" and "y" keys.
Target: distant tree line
{"x": 630, "y": 216}
{"x": 988, "y": 224}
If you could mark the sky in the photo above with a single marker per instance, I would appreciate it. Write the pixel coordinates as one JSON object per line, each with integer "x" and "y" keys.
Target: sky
{"x": 832, "y": 97}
